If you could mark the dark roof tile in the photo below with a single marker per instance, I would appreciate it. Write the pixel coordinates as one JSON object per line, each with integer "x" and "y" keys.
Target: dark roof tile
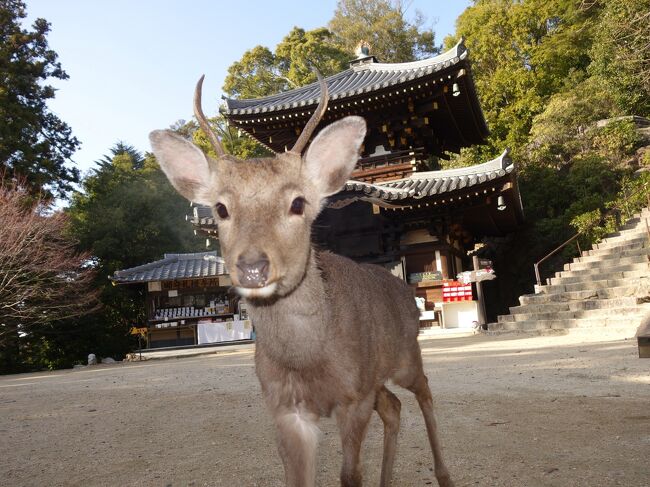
{"x": 358, "y": 79}
{"x": 422, "y": 184}
{"x": 174, "y": 266}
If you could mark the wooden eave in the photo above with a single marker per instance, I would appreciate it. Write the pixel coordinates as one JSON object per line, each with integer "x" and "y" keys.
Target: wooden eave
{"x": 430, "y": 103}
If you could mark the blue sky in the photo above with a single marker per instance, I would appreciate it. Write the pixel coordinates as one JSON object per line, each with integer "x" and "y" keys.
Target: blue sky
{"x": 133, "y": 64}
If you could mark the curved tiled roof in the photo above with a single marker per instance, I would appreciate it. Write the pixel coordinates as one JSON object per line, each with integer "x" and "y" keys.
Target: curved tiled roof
{"x": 174, "y": 266}
{"x": 360, "y": 78}
{"x": 418, "y": 185}
{"x": 431, "y": 183}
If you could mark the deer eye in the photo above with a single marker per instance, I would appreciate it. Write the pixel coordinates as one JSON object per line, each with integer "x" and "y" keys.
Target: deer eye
{"x": 297, "y": 206}
{"x": 221, "y": 210}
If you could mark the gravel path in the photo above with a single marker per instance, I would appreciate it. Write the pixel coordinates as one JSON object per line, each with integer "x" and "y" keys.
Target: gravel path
{"x": 513, "y": 411}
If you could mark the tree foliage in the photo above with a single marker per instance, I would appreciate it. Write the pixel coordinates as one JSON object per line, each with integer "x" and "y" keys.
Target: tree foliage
{"x": 126, "y": 214}
{"x": 384, "y": 25}
{"x": 233, "y": 140}
{"x": 255, "y": 75}
{"x": 302, "y": 50}
{"x": 621, "y": 53}
{"x": 522, "y": 53}
{"x": 261, "y": 72}
{"x": 34, "y": 143}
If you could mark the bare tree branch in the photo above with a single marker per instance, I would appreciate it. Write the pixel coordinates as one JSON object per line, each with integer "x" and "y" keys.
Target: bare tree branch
{"x": 42, "y": 278}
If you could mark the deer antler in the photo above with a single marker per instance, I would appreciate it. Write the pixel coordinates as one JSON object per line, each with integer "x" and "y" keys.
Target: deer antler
{"x": 203, "y": 122}
{"x": 306, "y": 133}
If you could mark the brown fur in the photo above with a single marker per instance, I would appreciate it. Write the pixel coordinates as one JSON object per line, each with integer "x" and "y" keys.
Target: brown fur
{"x": 330, "y": 332}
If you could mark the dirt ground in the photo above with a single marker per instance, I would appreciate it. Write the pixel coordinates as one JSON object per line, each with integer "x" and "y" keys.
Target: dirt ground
{"x": 513, "y": 411}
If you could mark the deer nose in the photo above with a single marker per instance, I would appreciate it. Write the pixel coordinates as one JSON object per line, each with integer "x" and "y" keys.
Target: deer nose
{"x": 253, "y": 270}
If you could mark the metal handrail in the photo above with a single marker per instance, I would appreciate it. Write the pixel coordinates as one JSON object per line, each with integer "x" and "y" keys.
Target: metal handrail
{"x": 536, "y": 265}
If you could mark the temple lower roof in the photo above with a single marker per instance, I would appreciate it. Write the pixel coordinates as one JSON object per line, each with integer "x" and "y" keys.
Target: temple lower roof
{"x": 423, "y": 184}
{"x": 412, "y": 190}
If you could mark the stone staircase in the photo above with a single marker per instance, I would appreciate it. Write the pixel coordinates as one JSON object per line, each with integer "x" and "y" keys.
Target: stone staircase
{"x": 606, "y": 288}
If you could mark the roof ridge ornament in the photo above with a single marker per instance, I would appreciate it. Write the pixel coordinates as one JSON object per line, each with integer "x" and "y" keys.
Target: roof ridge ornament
{"x": 362, "y": 51}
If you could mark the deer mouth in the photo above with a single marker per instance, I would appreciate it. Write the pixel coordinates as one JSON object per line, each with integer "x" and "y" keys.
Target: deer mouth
{"x": 265, "y": 291}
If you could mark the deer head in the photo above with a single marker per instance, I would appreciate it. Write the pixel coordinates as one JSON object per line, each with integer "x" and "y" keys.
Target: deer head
{"x": 264, "y": 207}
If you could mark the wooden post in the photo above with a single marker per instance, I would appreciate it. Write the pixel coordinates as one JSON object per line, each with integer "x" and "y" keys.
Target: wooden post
{"x": 479, "y": 294}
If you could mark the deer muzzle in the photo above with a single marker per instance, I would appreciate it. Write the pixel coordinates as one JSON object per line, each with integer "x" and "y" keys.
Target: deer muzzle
{"x": 253, "y": 270}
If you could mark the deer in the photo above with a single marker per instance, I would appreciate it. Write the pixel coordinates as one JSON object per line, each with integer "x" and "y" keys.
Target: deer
{"x": 330, "y": 332}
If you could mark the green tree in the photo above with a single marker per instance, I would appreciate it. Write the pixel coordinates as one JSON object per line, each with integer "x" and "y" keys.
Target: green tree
{"x": 256, "y": 74}
{"x": 261, "y": 72}
{"x": 127, "y": 214}
{"x": 301, "y": 50}
{"x": 522, "y": 53}
{"x": 34, "y": 143}
{"x": 234, "y": 141}
{"x": 621, "y": 53}
{"x": 382, "y": 24}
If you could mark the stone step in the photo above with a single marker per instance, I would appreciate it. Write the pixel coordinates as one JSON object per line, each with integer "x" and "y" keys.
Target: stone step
{"x": 580, "y": 304}
{"x": 642, "y": 239}
{"x": 632, "y": 224}
{"x": 606, "y": 290}
{"x": 605, "y": 270}
{"x": 628, "y": 323}
{"x": 579, "y": 314}
{"x": 614, "y": 255}
{"x": 636, "y": 233}
{"x": 604, "y": 332}
{"x": 585, "y": 278}
{"x": 595, "y": 285}
{"x": 577, "y": 265}
{"x": 603, "y": 252}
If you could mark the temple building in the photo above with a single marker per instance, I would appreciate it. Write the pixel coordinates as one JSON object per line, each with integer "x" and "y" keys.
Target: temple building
{"x": 396, "y": 211}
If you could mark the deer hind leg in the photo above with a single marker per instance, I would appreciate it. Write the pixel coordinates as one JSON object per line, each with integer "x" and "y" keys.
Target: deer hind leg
{"x": 420, "y": 388}
{"x": 297, "y": 436}
{"x": 353, "y": 422}
{"x": 388, "y": 407}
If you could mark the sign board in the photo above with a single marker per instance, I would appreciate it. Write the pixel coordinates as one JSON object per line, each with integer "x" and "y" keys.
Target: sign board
{"x": 476, "y": 276}
{"x": 138, "y": 331}
{"x": 425, "y": 276}
{"x": 154, "y": 286}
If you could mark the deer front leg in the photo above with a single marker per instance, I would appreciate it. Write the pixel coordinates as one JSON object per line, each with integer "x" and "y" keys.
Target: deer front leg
{"x": 297, "y": 435}
{"x": 388, "y": 407}
{"x": 353, "y": 422}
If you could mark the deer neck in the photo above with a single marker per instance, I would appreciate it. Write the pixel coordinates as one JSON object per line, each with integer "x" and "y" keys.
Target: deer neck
{"x": 292, "y": 329}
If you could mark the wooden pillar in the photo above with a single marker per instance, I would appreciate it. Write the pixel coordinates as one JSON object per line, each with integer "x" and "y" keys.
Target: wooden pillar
{"x": 444, "y": 264}
{"x": 479, "y": 294}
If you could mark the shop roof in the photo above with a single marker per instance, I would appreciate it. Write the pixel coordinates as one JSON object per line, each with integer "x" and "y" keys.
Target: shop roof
{"x": 172, "y": 267}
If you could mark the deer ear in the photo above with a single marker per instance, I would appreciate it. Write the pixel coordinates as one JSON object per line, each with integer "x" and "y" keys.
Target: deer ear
{"x": 184, "y": 164}
{"x": 334, "y": 152}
